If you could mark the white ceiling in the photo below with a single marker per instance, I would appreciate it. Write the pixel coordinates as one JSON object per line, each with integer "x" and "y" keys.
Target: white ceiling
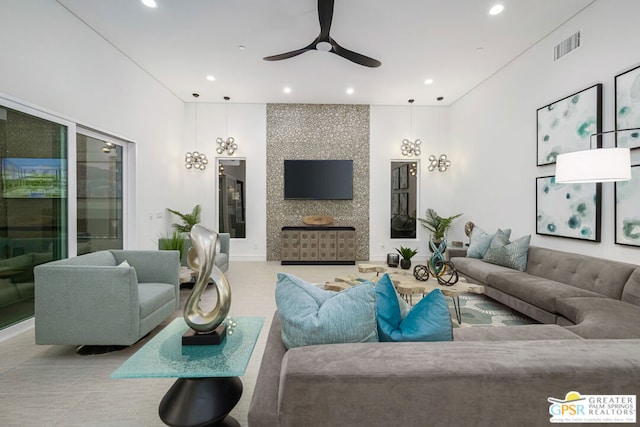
{"x": 454, "y": 42}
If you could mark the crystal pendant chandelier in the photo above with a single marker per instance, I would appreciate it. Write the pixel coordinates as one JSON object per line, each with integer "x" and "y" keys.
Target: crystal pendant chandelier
{"x": 229, "y": 146}
{"x": 196, "y": 159}
{"x": 411, "y": 148}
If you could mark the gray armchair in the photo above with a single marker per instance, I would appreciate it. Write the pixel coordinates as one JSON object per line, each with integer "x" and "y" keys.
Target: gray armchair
{"x": 95, "y": 299}
{"x": 222, "y": 257}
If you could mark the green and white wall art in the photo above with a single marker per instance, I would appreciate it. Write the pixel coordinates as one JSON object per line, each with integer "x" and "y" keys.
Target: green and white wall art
{"x": 565, "y": 126}
{"x": 628, "y": 108}
{"x": 568, "y": 210}
{"x": 628, "y": 209}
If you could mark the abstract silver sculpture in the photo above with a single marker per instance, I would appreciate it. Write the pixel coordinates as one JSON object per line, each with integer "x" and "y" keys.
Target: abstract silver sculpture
{"x": 201, "y": 258}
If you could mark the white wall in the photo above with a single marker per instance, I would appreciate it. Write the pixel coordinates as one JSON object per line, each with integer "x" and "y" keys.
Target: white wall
{"x": 494, "y": 126}
{"x": 247, "y": 124}
{"x": 52, "y": 60}
{"x": 389, "y": 126}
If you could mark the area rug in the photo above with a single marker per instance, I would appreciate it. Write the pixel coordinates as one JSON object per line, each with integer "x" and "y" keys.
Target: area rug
{"x": 480, "y": 310}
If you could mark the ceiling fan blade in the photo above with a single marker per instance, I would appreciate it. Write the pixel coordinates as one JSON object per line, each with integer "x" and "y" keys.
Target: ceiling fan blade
{"x": 354, "y": 56}
{"x": 287, "y": 55}
{"x": 325, "y": 16}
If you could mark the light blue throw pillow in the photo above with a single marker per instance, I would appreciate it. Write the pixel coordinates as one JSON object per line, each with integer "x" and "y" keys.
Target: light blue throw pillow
{"x": 428, "y": 320}
{"x": 480, "y": 241}
{"x": 311, "y": 315}
{"x": 512, "y": 254}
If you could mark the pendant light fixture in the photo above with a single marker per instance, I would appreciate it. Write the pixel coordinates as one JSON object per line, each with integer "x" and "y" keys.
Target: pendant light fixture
{"x": 196, "y": 160}
{"x": 410, "y": 148}
{"x": 229, "y": 145}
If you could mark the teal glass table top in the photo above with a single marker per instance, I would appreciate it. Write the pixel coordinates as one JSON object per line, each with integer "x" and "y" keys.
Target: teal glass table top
{"x": 164, "y": 356}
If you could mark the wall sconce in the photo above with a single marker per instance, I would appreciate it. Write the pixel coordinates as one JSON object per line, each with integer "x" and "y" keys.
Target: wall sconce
{"x": 229, "y": 145}
{"x": 442, "y": 163}
{"x": 196, "y": 160}
{"x": 410, "y": 148}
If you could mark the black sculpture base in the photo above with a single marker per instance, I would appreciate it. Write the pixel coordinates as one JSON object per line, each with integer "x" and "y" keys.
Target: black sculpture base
{"x": 216, "y": 337}
{"x": 201, "y": 402}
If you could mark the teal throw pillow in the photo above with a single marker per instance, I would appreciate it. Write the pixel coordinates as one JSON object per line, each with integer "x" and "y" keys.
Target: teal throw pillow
{"x": 512, "y": 254}
{"x": 311, "y": 315}
{"x": 428, "y": 320}
{"x": 480, "y": 241}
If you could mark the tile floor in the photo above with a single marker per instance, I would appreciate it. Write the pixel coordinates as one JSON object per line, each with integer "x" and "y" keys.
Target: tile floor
{"x": 53, "y": 386}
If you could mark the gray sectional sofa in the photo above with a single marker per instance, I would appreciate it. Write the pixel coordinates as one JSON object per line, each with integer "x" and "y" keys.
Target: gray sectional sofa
{"x": 592, "y": 297}
{"x": 488, "y": 376}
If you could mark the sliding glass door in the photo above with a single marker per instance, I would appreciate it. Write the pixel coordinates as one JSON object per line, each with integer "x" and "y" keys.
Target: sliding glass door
{"x": 100, "y": 221}
{"x": 33, "y": 206}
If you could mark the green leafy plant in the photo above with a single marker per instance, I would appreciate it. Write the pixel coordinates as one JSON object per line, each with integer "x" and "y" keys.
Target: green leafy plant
{"x": 436, "y": 224}
{"x": 406, "y": 253}
{"x": 188, "y": 219}
{"x": 173, "y": 242}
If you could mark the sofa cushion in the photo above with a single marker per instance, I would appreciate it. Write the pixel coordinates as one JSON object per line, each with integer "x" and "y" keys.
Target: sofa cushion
{"x": 101, "y": 258}
{"x": 428, "y": 320}
{"x": 601, "y": 318}
{"x": 594, "y": 274}
{"x": 540, "y": 292}
{"x": 480, "y": 242}
{"x": 152, "y": 296}
{"x": 512, "y": 254}
{"x": 311, "y": 315}
{"x": 476, "y": 269}
{"x": 631, "y": 291}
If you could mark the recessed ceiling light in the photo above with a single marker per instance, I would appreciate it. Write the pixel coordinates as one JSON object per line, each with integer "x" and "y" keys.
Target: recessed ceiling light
{"x": 496, "y": 9}
{"x": 428, "y": 81}
{"x": 210, "y": 78}
{"x": 242, "y": 47}
{"x": 350, "y": 91}
{"x": 149, "y": 3}
{"x": 287, "y": 89}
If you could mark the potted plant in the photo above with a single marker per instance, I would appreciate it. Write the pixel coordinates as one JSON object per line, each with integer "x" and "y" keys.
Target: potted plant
{"x": 406, "y": 254}
{"x": 188, "y": 219}
{"x": 437, "y": 225}
{"x": 173, "y": 241}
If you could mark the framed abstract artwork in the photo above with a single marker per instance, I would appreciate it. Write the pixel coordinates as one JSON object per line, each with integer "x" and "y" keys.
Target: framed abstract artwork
{"x": 568, "y": 210}
{"x": 627, "y": 92}
{"x": 627, "y": 208}
{"x": 566, "y": 125}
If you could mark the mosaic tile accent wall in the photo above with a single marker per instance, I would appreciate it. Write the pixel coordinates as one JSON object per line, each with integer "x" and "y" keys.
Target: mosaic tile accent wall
{"x": 310, "y": 132}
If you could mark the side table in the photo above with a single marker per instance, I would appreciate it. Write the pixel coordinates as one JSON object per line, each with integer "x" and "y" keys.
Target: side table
{"x": 208, "y": 386}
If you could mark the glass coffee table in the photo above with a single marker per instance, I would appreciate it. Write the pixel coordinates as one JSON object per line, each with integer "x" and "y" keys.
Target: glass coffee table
{"x": 208, "y": 386}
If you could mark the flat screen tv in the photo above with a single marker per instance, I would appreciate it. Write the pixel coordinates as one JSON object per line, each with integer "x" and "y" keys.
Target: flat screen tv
{"x": 318, "y": 179}
{"x": 34, "y": 178}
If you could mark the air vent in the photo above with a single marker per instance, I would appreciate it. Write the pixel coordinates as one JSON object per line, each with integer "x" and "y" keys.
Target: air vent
{"x": 566, "y": 46}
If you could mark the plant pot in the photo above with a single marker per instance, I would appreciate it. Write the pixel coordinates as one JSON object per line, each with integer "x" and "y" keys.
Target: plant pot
{"x": 405, "y": 264}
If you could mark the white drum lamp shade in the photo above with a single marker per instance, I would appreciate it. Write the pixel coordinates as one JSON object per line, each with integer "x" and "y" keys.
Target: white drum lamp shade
{"x": 599, "y": 165}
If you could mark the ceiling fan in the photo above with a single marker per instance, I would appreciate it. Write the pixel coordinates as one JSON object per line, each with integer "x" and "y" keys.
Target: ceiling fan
{"x": 325, "y": 43}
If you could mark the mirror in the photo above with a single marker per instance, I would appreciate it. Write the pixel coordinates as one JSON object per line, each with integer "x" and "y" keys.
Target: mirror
{"x": 232, "y": 197}
{"x": 404, "y": 199}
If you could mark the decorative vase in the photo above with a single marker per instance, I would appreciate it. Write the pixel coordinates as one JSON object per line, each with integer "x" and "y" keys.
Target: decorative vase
{"x": 405, "y": 264}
